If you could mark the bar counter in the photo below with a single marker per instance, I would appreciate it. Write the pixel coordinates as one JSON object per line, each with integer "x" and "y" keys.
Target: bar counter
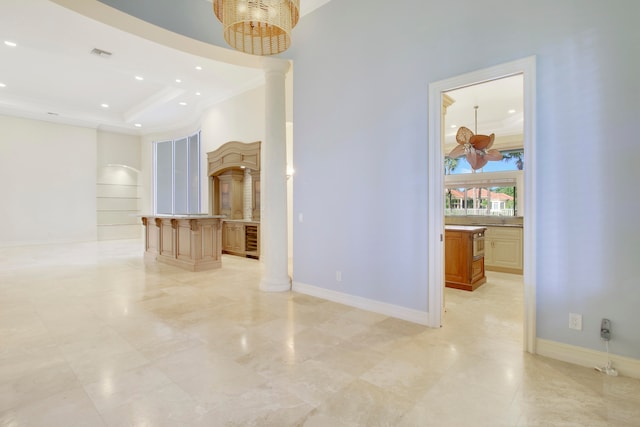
{"x": 192, "y": 242}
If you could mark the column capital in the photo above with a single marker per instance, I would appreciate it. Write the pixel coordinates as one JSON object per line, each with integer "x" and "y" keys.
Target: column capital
{"x": 274, "y": 65}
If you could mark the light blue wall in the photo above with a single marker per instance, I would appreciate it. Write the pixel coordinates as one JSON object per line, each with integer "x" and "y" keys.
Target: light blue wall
{"x": 360, "y": 145}
{"x": 360, "y": 148}
{"x": 192, "y": 18}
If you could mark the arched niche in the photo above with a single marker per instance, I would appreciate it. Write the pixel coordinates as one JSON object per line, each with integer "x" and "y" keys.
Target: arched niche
{"x": 234, "y": 180}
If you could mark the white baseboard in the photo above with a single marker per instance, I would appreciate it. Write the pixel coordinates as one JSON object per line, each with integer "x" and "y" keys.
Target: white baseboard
{"x": 404, "y": 313}
{"x": 625, "y": 366}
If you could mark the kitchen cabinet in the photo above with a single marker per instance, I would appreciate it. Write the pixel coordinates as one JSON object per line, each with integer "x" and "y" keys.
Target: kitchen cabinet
{"x": 232, "y": 237}
{"x": 464, "y": 258}
{"x": 234, "y": 180}
{"x": 231, "y": 194}
{"x": 503, "y": 249}
{"x": 241, "y": 238}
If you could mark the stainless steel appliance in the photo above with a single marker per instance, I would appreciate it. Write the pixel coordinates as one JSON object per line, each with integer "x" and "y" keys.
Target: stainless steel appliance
{"x": 478, "y": 245}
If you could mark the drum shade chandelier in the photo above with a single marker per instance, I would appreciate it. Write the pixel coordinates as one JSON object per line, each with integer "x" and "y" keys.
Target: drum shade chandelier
{"x": 258, "y": 27}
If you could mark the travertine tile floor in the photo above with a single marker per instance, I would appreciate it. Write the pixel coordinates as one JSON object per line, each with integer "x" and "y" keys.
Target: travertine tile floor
{"x": 91, "y": 336}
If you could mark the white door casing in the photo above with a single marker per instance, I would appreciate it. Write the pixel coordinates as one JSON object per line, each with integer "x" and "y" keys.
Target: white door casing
{"x": 526, "y": 67}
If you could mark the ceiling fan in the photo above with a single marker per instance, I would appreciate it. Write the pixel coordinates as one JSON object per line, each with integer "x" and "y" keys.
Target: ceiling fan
{"x": 476, "y": 148}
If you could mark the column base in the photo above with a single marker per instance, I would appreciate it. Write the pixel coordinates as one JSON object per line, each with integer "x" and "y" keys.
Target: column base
{"x": 275, "y": 285}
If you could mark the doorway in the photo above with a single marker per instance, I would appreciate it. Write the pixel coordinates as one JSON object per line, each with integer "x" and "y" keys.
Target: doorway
{"x": 525, "y": 67}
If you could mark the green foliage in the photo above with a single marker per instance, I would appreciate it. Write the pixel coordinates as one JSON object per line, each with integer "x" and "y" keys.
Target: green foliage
{"x": 450, "y": 165}
{"x": 517, "y": 155}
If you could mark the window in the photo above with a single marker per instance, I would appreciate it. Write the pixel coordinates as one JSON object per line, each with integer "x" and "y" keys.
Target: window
{"x": 177, "y": 175}
{"x": 488, "y": 193}
{"x": 492, "y": 190}
{"x": 477, "y": 200}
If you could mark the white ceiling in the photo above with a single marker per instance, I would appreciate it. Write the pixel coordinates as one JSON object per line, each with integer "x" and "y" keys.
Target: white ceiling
{"x": 51, "y": 75}
{"x": 500, "y": 105}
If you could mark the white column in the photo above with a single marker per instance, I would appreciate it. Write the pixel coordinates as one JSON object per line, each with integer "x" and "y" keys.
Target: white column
{"x": 273, "y": 221}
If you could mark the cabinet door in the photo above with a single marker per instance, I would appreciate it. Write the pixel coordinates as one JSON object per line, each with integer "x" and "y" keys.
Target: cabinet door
{"x": 477, "y": 270}
{"x": 230, "y": 186}
{"x": 233, "y": 237}
{"x": 503, "y": 249}
{"x": 488, "y": 249}
{"x": 455, "y": 249}
{"x": 507, "y": 253}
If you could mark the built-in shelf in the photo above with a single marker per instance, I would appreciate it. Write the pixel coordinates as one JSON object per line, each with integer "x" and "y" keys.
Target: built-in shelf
{"x": 117, "y": 207}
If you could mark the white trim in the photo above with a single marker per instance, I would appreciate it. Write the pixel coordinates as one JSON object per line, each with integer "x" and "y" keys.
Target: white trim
{"x": 530, "y": 218}
{"x": 581, "y": 356}
{"x": 527, "y": 67}
{"x": 408, "y": 314}
{"x": 436, "y": 207}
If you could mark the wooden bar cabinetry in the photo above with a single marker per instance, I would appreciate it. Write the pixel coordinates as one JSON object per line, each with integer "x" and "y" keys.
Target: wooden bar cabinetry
{"x": 192, "y": 242}
{"x": 241, "y": 238}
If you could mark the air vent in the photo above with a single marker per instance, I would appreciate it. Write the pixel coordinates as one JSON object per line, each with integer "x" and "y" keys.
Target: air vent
{"x": 100, "y": 52}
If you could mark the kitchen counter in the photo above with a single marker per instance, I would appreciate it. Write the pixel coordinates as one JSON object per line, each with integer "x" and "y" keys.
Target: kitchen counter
{"x": 485, "y": 221}
{"x": 467, "y": 228}
{"x": 464, "y": 256}
{"x": 496, "y": 225}
{"x": 192, "y": 242}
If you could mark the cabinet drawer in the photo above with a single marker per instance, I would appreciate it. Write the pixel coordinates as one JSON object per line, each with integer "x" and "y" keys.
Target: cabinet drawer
{"x": 477, "y": 269}
{"x": 503, "y": 232}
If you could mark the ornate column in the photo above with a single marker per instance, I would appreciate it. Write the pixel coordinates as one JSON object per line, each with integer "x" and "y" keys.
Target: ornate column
{"x": 273, "y": 219}
{"x": 247, "y": 197}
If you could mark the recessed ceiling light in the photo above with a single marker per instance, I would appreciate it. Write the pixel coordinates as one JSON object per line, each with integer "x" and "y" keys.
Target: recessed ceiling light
{"x": 10, "y": 43}
{"x": 183, "y": 103}
{"x": 453, "y": 126}
{"x": 138, "y": 125}
{"x": 178, "y": 81}
{"x": 140, "y": 78}
{"x": 198, "y": 94}
{"x": 3, "y": 85}
{"x": 104, "y": 105}
{"x": 511, "y": 111}
{"x": 198, "y": 67}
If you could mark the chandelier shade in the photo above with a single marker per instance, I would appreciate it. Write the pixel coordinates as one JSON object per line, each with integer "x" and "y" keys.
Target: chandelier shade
{"x": 258, "y": 27}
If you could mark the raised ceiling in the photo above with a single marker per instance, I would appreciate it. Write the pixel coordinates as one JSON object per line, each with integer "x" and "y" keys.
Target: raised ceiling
{"x": 500, "y": 111}
{"x": 50, "y": 74}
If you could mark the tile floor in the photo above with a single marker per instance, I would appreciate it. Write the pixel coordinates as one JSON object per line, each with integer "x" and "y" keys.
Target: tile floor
{"x": 91, "y": 336}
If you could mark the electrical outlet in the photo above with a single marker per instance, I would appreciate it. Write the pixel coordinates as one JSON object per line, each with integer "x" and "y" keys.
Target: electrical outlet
{"x": 605, "y": 329}
{"x": 338, "y": 276}
{"x": 575, "y": 321}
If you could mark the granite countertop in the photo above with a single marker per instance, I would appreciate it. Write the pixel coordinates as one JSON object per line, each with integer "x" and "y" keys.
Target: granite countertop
{"x": 484, "y": 221}
{"x": 469, "y": 228}
{"x": 499, "y": 225}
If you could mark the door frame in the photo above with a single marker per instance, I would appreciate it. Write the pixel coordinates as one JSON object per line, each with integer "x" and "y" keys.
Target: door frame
{"x": 526, "y": 67}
